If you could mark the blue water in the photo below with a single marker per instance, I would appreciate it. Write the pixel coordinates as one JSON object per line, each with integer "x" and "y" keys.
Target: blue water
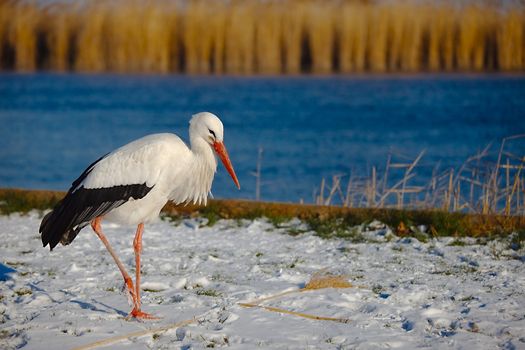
{"x": 52, "y": 125}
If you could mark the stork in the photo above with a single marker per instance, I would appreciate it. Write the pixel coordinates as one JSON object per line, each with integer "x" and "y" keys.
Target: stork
{"x": 131, "y": 185}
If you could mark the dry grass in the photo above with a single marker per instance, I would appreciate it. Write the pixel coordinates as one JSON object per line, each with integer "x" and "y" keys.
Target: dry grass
{"x": 23, "y": 33}
{"x": 320, "y": 35}
{"x": 292, "y": 45}
{"x": 441, "y": 39}
{"x": 91, "y": 40}
{"x": 320, "y": 280}
{"x": 261, "y": 37}
{"x": 326, "y": 221}
{"x": 60, "y": 28}
{"x": 490, "y": 182}
{"x": 240, "y": 38}
{"x": 198, "y": 40}
{"x": 510, "y": 32}
{"x": 353, "y": 37}
{"x": 268, "y": 38}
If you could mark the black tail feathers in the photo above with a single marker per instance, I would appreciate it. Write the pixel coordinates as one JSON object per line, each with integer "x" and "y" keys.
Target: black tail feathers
{"x": 51, "y": 233}
{"x": 55, "y": 227}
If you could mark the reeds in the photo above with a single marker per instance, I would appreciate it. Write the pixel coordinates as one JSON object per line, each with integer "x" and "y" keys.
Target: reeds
{"x": 240, "y": 38}
{"x": 510, "y": 33}
{"x": 60, "y": 27}
{"x": 320, "y": 35}
{"x": 199, "y": 40}
{"x": 486, "y": 183}
{"x": 24, "y": 20}
{"x": 261, "y": 37}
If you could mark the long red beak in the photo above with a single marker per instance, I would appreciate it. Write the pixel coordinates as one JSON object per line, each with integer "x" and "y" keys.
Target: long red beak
{"x": 223, "y": 154}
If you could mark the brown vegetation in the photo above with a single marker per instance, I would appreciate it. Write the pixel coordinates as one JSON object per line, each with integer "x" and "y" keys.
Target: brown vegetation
{"x": 487, "y": 183}
{"x": 327, "y": 221}
{"x": 261, "y": 37}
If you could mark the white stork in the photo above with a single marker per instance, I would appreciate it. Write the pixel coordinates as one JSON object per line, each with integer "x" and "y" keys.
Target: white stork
{"x": 131, "y": 185}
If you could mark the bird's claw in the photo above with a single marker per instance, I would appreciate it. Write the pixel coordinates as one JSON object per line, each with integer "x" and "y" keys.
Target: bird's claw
{"x": 140, "y": 315}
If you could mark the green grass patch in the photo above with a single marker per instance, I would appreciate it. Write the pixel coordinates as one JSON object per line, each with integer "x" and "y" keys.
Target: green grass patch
{"x": 21, "y": 201}
{"x": 327, "y": 222}
{"x": 15, "y": 264}
{"x": 457, "y": 243}
{"x": 335, "y": 228}
{"x": 5, "y": 334}
{"x": 23, "y": 291}
{"x": 209, "y": 292}
{"x": 518, "y": 240}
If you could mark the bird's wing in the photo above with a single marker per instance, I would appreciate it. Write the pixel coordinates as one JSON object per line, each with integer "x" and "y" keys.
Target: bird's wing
{"x": 129, "y": 172}
{"x": 139, "y": 162}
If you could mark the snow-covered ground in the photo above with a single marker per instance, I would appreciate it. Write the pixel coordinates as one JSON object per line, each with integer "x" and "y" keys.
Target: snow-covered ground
{"x": 417, "y": 294}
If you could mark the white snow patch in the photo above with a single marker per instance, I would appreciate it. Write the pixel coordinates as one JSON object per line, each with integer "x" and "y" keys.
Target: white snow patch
{"x": 408, "y": 294}
{"x": 154, "y": 286}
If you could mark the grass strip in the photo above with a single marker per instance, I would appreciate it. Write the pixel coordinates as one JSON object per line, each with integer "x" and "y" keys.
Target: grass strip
{"x": 327, "y": 221}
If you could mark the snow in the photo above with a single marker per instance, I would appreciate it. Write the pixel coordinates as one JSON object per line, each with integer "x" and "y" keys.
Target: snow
{"x": 408, "y": 294}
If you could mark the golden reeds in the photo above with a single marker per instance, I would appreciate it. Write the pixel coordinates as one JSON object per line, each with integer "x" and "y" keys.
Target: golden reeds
{"x": 204, "y": 31}
{"x": 59, "y": 29}
{"x": 265, "y": 37}
{"x": 471, "y": 43}
{"x": 511, "y": 40}
{"x": 240, "y": 38}
{"x": 292, "y": 36}
{"x": 197, "y": 37}
{"x": 396, "y": 37}
{"x": 268, "y": 38}
{"x": 320, "y": 33}
{"x": 23, "y": 35}
{"x": 487, "y": 183}
{"x": 353, "y": 37}
{"x": 160, "y": 43}
{"x": 377, "y": 44}
{"x": 5, "y": 20}
{"x": 441, "y": 38}
{"x": 91, "y": 39}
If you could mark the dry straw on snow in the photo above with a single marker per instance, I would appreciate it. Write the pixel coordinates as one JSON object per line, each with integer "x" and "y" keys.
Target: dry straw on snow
{"x": 319, "y": 280}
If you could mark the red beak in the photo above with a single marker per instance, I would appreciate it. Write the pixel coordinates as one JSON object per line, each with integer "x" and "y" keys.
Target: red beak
{"x": 223, "y": 154}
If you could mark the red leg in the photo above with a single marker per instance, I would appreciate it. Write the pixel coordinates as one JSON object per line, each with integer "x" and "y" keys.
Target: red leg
{"x": 137, "y": 246}
{"x": 95, "y": 224}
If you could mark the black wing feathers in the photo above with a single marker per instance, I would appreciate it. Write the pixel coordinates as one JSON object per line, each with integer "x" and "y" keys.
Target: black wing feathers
{"x": 85, "y": 173}
{"x": 81, "y": 205}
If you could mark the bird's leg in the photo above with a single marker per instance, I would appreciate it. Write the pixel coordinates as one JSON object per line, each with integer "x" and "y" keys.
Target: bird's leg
{"x": 137, "y": 246}
{"x": 95, "y": 224}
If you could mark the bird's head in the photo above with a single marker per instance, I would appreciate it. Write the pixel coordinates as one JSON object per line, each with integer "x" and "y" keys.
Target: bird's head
{"x": 208, "y": 126}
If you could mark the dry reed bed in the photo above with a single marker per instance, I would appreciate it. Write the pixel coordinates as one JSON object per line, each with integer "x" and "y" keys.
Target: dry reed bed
{"x": 490, "y": 182}
{"x": 265, "y": 37}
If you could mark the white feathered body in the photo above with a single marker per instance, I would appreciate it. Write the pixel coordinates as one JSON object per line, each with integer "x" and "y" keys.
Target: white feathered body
{"x": 161, "y": 161}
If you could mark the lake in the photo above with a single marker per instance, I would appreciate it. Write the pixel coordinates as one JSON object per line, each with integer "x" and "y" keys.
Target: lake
{"x": 54, "y": 125}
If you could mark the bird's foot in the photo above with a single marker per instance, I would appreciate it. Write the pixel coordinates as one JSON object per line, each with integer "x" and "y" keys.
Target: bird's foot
{"x": 140, "y": 315}
{"x": 129, "y": 288}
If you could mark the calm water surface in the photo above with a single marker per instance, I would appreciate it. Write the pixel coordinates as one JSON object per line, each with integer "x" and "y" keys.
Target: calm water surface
{"x": 52, "y": 126}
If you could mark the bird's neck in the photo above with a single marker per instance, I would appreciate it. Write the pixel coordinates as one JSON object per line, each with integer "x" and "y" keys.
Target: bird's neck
{"x": 203, "y": 153}
{"x": 204, "y": 167}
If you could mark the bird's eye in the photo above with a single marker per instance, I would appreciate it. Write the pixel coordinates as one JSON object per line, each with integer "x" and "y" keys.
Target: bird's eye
{"x": 213, "y": 133}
